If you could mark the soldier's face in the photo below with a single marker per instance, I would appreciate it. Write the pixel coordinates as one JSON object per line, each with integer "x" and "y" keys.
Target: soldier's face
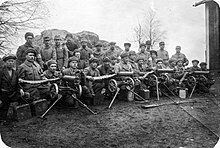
{"x": 165, "y": 62}
{"x": 106, "y": 64}
{"x": 203, "y": 67}
{"x": 178, "y": 49}
{"x": 132, "y": 57}
{"x": 143, "y": 48}
{"x": 57, "y": 42}
{"x": 47, "y": 42}
{"x": 74, "y": 64}
{"x": 180, "y": 63}
{"x": 52, "y": 67}
{"x": 77, "y": 54}
{"x": 29, "y": 39}
{"x": 162, "y": 46}
{"x": 94, "y": 65}
{"x": 125, "y": 60}
{"x": 30, "y": 57}
{"x": 140, "y": 62}
{"x": 195, "y": 64}
{"x": 153, "y": 55}
{"x": 159, "y": 65}
{"x": 84, "y": 44}
{"x": 10, "y": 63}
{"x": 127, "y": 47}
{"x": 148, "y": 46}
{"x": 98, "y": 48}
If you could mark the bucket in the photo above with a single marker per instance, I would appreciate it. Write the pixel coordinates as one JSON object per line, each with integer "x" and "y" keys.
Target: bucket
{"x": 183, "y": 93}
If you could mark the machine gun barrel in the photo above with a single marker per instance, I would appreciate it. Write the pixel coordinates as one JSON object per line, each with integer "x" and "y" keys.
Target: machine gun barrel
{"x": 165, "y": 70}
{"x": 201, "y": 72}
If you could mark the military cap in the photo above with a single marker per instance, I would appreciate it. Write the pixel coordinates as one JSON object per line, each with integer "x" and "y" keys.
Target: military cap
{"x": 51, "y": 62}
{"x": 142, "y": 44}
{"x": 31, "y": 50}
{"x": 106, "y": 59}
{"x": 28, "y": 34}
{"x": 73, "y": 58}
{"x": 10, "y": 56}
{"x": 132, "y": 53}
{"x": 195, "y": 61}
{"x": 84, "y": 40}
{"x": 127, "y": 44}
{"x": 161, "y": 43}
{"x": 140, "y": 58}
{"x": 93, "y": 60}
{"x": 98, "y": 45}
{"x": 124, "y": 54}
{"x": 68, "y": 35}
{"x": 179, "y": 60}
{"x": 203, "y": 63}
{"x": 57, "y": 37}
{"x": 112, "y": 43}
{"x": 153, "y": 51}
{"x": 159, "y": 60}
{"x": 46, "y": 38}
{"x": 148, "y": 42}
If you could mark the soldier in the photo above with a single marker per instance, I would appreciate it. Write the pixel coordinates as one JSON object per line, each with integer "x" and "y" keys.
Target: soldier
{"x": 51, "y": 72}
{"x": 178, "y": 55}
{"x": 114, "y": 62}
{"x": 159, "y": 64}
{"x": 148, "y": 44}
{"x": 153, "y": 59}
{"x": 166, "y": 64}
{"x": 124, "y": 64}
{"x": 61, "y": 52}
{"x": 31, "y": 70}
{"x": 180, "y": 69}
{"x": 48, "y": 52}
{"x": 127, "y": 47}
{"x": 132, "y": 60}
{"x": 111, "y": 52}
{"x": 70, "y": 44}
{"x": 85, "y": 54}
{"x": 98, "y": 53}
{"x": 95, "y": 87}
{"x": 140, "y": 65}
{"x": 105, "y": 68}
{"x": 195, "y": 66}
{"x": 203, "y": 66}
{"x": 144, "y": 53}
{"x": 210, "y": 81}
{"x": 21, "y": 50}
{"x": 162, "y": 53}
{"x": 9, "y": 89}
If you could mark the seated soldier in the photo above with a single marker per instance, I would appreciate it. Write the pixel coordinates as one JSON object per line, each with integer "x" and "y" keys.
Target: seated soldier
{"x": 141, "y": 66}
{"x": 94, "y": 87}
{"x": 211, "y": 81}
{"x": 153, "y": 59}
{"x": 159, "y": 64}
{"x": 132, "y": 60}
{"x": 195, "y": 66}
{"x": 114, "y": 62}
{"x": 105, "y": 68}
{"x": 124, "y": 65}
{"x": 51, "y": 72}
{"x": 166, "y": 64}
{"x": 31, "y": 70}
{"x": 179, "y": 68}
{"x": 9, "y": 89}
{"x": 72, "y": 70}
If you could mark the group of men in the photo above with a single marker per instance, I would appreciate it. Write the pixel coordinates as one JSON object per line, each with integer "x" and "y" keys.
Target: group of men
{"x": 53, "y": 61}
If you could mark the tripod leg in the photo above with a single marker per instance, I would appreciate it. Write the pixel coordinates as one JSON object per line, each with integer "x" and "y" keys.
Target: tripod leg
{"x": 158, "y": 96}
{"x": 192, "y": 91}
{"x": 118, "y": 89}
{"x": 59, "y": 97}
{"x": 169, "y": 89}
{"x": 84, "y": 105}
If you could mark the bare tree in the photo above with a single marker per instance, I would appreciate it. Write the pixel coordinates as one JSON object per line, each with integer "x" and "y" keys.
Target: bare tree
{"x": 150, "y": 29}
{"x": 19, "y": 15}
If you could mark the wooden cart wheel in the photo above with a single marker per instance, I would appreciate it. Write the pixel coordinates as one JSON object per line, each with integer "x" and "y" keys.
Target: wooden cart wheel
{"x": 164, "y": 77}
{"x": 191, "y": 81}
{"x": 54, "y": 91}
{"x": 112, "y": 85}
{"x": 129, "y": 82}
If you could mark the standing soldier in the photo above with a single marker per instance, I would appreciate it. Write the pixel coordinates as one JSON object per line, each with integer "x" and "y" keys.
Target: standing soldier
{"x": 148, "y": 44}
{"x": 47, "y": 53}
{"x": 70, "y": 44}
{"x": 162, "y": 53}
{"x": 98, "y": 53}
{"x": 127, "y": 47}
{"x": 143, "y": 53}
{"x": 61, "y": 52}
{"x": 22, "y": 49}
{"x": 85, "y": 54}
{"x": 111, "y": 52}
{"x": 178, "y": 55}
{"x": 9, "y": 90}
{"x": 31, "y": 70}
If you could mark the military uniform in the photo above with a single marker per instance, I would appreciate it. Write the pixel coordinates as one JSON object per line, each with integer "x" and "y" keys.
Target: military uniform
{"x": 179, "y": 56}
{"x": 62, "y": 56}
{"x": 145, "y": 55}
{"x": 48, "y": 53}
{"x": 9, "y": 90}
{"x": 21, "y": 54}
{"x": 162, "y": 54}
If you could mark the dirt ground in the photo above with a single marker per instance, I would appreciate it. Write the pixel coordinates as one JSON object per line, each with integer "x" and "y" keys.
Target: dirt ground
{"x": 126, "y": 125}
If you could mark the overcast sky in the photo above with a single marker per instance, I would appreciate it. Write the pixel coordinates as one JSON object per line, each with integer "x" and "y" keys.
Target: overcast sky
{"x": 114, "y": 20}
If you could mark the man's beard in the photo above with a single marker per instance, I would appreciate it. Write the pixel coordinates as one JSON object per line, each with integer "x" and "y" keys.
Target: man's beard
{"x": 84, "y": 46}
